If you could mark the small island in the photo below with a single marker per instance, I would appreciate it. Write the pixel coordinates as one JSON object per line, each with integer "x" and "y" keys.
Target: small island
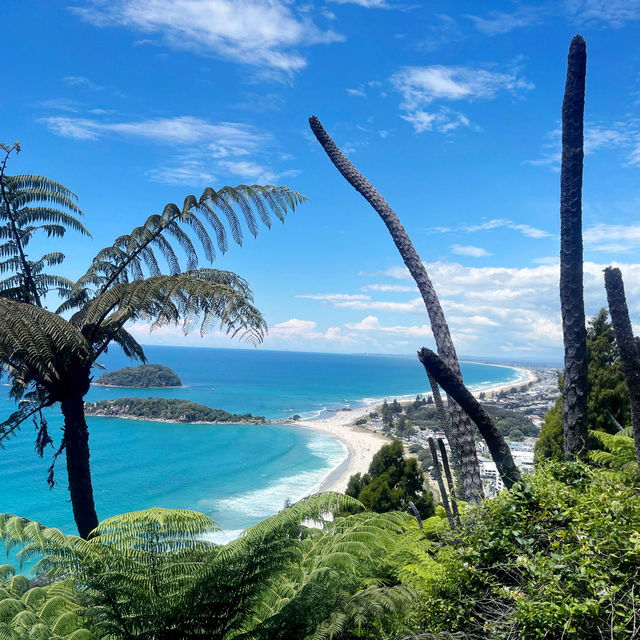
{"x": 146, "y": 376}
{"x": 167, "y": 410}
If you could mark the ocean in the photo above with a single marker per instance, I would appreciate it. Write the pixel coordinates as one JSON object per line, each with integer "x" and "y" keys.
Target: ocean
{"x": 237, "y": 474}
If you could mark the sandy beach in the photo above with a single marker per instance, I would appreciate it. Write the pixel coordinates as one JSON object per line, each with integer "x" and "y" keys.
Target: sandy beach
{"x": 362, "y": 444}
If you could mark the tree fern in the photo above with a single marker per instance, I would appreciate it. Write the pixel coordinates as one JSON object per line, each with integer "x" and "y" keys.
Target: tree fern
{"x": 619, "y": 453}
{"x": 151, "y": 275}
{"x": 306, "y": 572}
{"x": 30, "y": 204}
{"x": 46, "y": 613}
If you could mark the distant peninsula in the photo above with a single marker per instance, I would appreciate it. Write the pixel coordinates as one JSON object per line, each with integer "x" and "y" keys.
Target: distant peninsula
{"x": 167, "y": 410}
{"x": 146, "y": 376}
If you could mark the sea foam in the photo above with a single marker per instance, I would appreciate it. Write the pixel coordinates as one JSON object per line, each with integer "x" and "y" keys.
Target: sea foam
{"x": 261, "y": 503}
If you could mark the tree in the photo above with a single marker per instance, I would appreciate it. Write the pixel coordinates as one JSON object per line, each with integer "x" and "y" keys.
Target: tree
{"x": 465, "y": 450}
{"x": 391, "y": 482}
{"x": 608, "y": 392}
{"x": 608, "y": 396}
{"x": 387, "y": 415}
{"x": 396, "y": 409}
{"x": 153, "y": 574}
{"x": 49, "y": 359}
{"x": 627, "y": 346}
{"x": 571, "y": 267}
{"x": 454, "y": 387}
{"x": 30, "y": 204}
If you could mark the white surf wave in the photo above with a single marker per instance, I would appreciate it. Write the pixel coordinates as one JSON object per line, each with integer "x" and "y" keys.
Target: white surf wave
{"x": 261, "y": 503}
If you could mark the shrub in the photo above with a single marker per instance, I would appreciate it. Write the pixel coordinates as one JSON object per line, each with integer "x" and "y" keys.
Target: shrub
{"x": 557, "y": 557}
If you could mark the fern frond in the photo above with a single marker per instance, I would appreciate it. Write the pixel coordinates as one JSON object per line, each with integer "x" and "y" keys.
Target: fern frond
{"x": 213, "y": 297}
{"x": 124, "y": 260}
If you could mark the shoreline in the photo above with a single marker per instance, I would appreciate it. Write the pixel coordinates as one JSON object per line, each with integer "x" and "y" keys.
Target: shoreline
{"x": 119, "y": 386}
{"x": 362, "y": 444}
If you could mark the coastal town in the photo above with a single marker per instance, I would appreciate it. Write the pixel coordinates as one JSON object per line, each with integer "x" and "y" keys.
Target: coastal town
{"x": 527, "y": 403}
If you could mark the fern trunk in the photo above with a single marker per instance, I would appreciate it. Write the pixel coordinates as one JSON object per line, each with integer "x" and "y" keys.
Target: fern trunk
{"x": 76, "y": 438}
{"x": 627, "y": 347}
{"x": 571, "y": 261}
{"x": 446, "y": 427}
{"x": 437, "y": 472}
{"x": 498, "y": 446}
{"x": 460, "y": 424}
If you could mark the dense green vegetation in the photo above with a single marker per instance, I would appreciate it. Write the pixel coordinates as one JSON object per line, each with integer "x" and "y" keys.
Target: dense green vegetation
{"x": 608, "y": 398}
{"x": 557, "y": 556}
{"x": 403, "y": 419}
{"x": 169, "y": 409}
{"x": 391, "y": 482}
{"x": 142, "y": 376}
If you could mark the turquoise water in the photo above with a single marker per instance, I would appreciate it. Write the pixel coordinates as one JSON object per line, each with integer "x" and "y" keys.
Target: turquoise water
{"x": 238, "y": 474}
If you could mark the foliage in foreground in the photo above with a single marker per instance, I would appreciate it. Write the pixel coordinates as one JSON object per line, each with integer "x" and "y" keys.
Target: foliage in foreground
{"x": 153, "y": 574}
{"x": 555, "y": 557}
{"x": 50, "y": 612}
{"x": 558, "y": 556}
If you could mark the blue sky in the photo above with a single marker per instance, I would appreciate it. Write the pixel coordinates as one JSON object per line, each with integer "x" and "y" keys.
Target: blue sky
{"x": 451, "y": 109}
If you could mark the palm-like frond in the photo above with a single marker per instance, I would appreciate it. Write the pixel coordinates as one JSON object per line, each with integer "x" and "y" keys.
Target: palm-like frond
{"x": 619, "y": 453}
{"x": 212, "y": 297}
{"x": 39, "y": 348}
{"x": 137, "y": 253}
{"x": 29, "y": 204}
{"x": 46, "y": 613}
{"x": 305, "y": 572}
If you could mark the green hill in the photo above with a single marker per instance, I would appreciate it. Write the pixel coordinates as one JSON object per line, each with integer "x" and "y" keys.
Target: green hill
{"x": 143, "y": 377}
{"x": 166, "y": 409}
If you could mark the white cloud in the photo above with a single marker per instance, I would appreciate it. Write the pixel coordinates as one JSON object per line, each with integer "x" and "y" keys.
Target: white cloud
{"x": 614, "y": 238}
{"x": 615, "y": 13}
{"x": 489, "y": 310}
{"x": 224, "y": 137}
{"x": 515, "y": 310}
{"x": 422, "y": 86}
{"x": 295, "y": 333}
{"x": 495, "y": 223}
{"x": 369, "y": 4}
{"x": 334, "y": 298}
{"x": 388, "y": 287}
{"x": 230, "y": 147}
{"x": 499, "y": 22}
{"x": 444, "y": 120}
{"x": 263, "y": 33}
{"x": 185, "y": 172}
{"x": 469, "y": 250}
{"x": 81, "y": 81}
{"x": 618, "y": 136}
{"x": 372, "y": 324}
